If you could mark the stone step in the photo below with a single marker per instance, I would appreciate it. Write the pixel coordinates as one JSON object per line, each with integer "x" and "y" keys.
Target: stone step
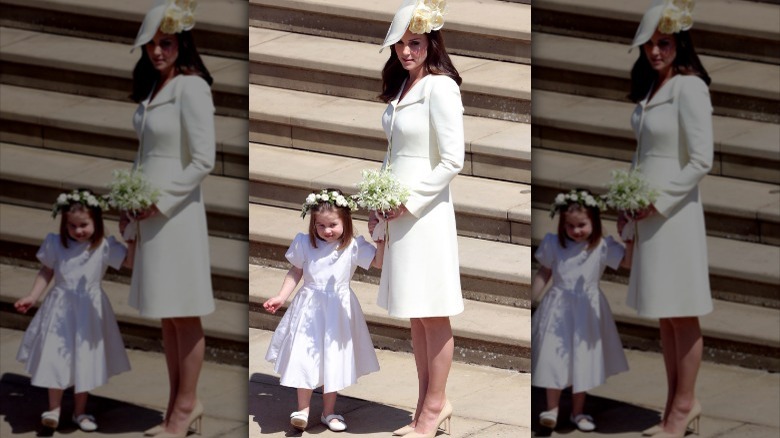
{"x": 734, "y": 333}
{"x": 486, "y": 209}
{"x": 568, "y": 65}
{"x": 744, "y": 149}
{"x": 225, "y": 328}
{"x": 220, "y": 28}
{"x": 101, "y": 69}
{"x": 492, "y": 272}
{"x": 504, "y": 343}
{"x": 488, "y": 29}
{"x": 93, "y": 126}
{"x": 734, "y": 209}
{"x": 740, "y": 272}
{"x": 494, "y": 89}
{"x": 34, "y": 177}
{"x": 728, "y": 28}
{"x": 22, "y": 230}
{"x": 496, "y": 149}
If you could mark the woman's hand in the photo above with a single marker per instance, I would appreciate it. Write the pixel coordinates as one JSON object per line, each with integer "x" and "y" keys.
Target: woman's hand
{"x": 645, "y": 212}
{"x": 146, "y": 213}
{"x": 273, "y": 304}
{"x": 395, "y": 214}
{"x": 22, "y": 305}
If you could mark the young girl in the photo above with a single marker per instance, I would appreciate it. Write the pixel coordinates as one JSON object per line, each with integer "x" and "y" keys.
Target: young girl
{"x": 323, "y": 339}
{"x": 74, "y": 339}
{"x": 574, "y": 338}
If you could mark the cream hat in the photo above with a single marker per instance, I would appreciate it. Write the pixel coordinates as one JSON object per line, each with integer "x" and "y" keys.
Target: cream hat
{"x": 170, "y": 16}
{"x": 668, "y": 16}
{"x": 419, "y": 16}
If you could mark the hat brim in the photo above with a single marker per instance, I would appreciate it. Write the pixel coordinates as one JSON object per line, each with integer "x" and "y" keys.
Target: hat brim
{"x": 400, "y": 23}
{"x": 151, "y": 24}
{"x": 649, "y": 23}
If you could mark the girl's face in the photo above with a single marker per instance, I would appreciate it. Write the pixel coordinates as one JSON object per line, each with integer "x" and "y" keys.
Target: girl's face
{"x": 163, "y": 50}
{"x": 80, "y": 225}
{"x": 412, "y": 50}
{"x": 661, "y": 50}
{"x": 329, "y": 226}
{"x": 578, "y": 225}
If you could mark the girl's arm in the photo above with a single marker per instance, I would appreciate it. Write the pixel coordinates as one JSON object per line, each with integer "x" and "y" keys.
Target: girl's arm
{"x": 42, "y": 280}
{"x": 626, "y": 262}
{"x": 379, "y": 257}
{"x": 540, "y": 280}
{"x": 130, "y": 256}
{"x": 288, "y": 286}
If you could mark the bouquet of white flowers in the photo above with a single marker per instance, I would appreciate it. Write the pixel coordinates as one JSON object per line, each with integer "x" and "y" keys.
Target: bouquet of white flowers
{"x": 629, "y": 191}
{"x": 381, "y": 191}
{"x": 130, "y": 191}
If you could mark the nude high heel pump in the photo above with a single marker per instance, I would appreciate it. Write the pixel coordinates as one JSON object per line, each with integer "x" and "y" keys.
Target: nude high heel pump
{"x": 691, "y": 421}
{"x": 406, "y": 430}
{"x": 196, "y": 417}
{"x": 444, "y": 418}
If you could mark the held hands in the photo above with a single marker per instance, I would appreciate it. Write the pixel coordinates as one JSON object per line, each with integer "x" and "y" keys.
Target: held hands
{"x": 146, "y": 213}
{"x": 22, "y": 305}
{"x": 273, "y": 304}
{"x": 395, "y": 214}
{"x": 645, "y": 212}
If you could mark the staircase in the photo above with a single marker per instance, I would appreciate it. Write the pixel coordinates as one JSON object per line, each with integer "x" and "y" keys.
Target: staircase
{"x": 581, "y": 132}
{"x": 314, "y": 122}
{"x": 65, "y": 122}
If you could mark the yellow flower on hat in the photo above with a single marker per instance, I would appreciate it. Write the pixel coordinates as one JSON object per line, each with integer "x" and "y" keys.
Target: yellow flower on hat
{"x": 428, "y": 16}
{"x": 677, "y": 16}
{"x": 179, "y": 16}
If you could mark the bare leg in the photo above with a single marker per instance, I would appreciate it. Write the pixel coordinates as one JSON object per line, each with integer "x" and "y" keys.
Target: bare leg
{"x": 191, "y": 346}
{"x": 80, "y": 403}
{"x": 421, "y": 361}
{"x": 669, "y": 351}
{"x": 304, "y": 399}
{"x": 170, "y": 347}
{"x": 577, "y": 403}
{"x": 689, "y": 347}
{"x": 440, "y": 348}
{"x": 55, "y": 398}
{"x": 553, "y": 398}
{"x": 329, "y": 403}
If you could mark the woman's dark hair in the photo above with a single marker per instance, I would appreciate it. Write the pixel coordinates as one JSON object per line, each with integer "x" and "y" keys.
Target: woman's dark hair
{"x": 344, "y": 214}
{"x": 187, "y": 63}
{"x": 437, "y": 62}
{"x": 595, "y": 219}
{"x": 97, "y": 218}
{"x": 685, "y": 63}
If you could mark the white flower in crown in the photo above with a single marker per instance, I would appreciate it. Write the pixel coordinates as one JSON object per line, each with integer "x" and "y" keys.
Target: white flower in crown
{"x": 179, "y": 16}
{"x": 83, "y": 197}
{"x": 333, "y": 197}
{"x": 582, "y": 197}
{"x": 311, "y": 199}
{"x": 677, "y": 16}
{"x": 428, "y": 16}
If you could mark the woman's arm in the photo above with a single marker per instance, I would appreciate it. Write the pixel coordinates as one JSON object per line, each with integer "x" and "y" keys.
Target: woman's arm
{"x": 197, "y": 119}
{"x": 42, "y": 279}
{"x": 446, "y": 112}
{"x": 288, "y": 286}
{"x": 696, "y": 128}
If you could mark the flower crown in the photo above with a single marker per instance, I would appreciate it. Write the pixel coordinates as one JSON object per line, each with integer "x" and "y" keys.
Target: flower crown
{"x": 179, "y": 16}
{"x": 582, "y": 197}
{"x": 333, "y": 197}
{"x": 83, "y": 197}
{"x": 428, "y": 15}
{"x": 677, "y": 16}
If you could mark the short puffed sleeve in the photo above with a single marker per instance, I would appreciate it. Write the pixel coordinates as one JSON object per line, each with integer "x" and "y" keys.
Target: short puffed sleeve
{"x": 47, "y": 253}
{"x": 363, "y": 253}
{"x": 115, "y": 252}
{"x": 295, "y": 254}
{"x": 612, "y": 253}
{"x": 545, "y": 254}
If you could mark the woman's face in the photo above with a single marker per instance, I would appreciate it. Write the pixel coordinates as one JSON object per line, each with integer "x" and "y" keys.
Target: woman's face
{"x": 412, "y": 50}
{"x": 329, "y": 225}
{"x": 661, "y": 50}
{"x": 578, "y": 225}
{"x": 163, "y": 50}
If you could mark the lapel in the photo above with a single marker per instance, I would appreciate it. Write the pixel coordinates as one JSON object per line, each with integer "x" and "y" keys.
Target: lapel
{"x": 416, "y": 94}
{"x": 165, "y": 95}
{"x": 664, "y": 94}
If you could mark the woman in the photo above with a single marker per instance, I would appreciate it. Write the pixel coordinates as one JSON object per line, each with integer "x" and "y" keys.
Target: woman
{"x": 175, "y": 124}
{"x": 673, "y": 125}
{"x": 424, "y": 126}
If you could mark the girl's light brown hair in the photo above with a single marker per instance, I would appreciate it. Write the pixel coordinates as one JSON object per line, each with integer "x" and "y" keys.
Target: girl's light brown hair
{"x": 595, "y": 219}
{"x": 95, "y": 213}
{"x": 344, "y": 214}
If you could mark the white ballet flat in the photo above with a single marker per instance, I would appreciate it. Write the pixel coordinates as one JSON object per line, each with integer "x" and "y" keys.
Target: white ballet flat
{"x": 337, "y": 426}
{"x": 85, "y": 422}
{"x": 299, "y": 419}
{"x": 583, "y": 422}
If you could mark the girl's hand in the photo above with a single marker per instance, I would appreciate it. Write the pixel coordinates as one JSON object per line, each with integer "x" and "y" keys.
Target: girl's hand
{"x": 124, "y": 221}
{"x": 622, "y": 220}
{"x": 273, "y": 304}
{"x": 372, "y": 221}
{"x": 395, "y": 214}
{"x": 645, "y": 213}
{"x": 22, "y": 305}
{"x": 146, "y": 213}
